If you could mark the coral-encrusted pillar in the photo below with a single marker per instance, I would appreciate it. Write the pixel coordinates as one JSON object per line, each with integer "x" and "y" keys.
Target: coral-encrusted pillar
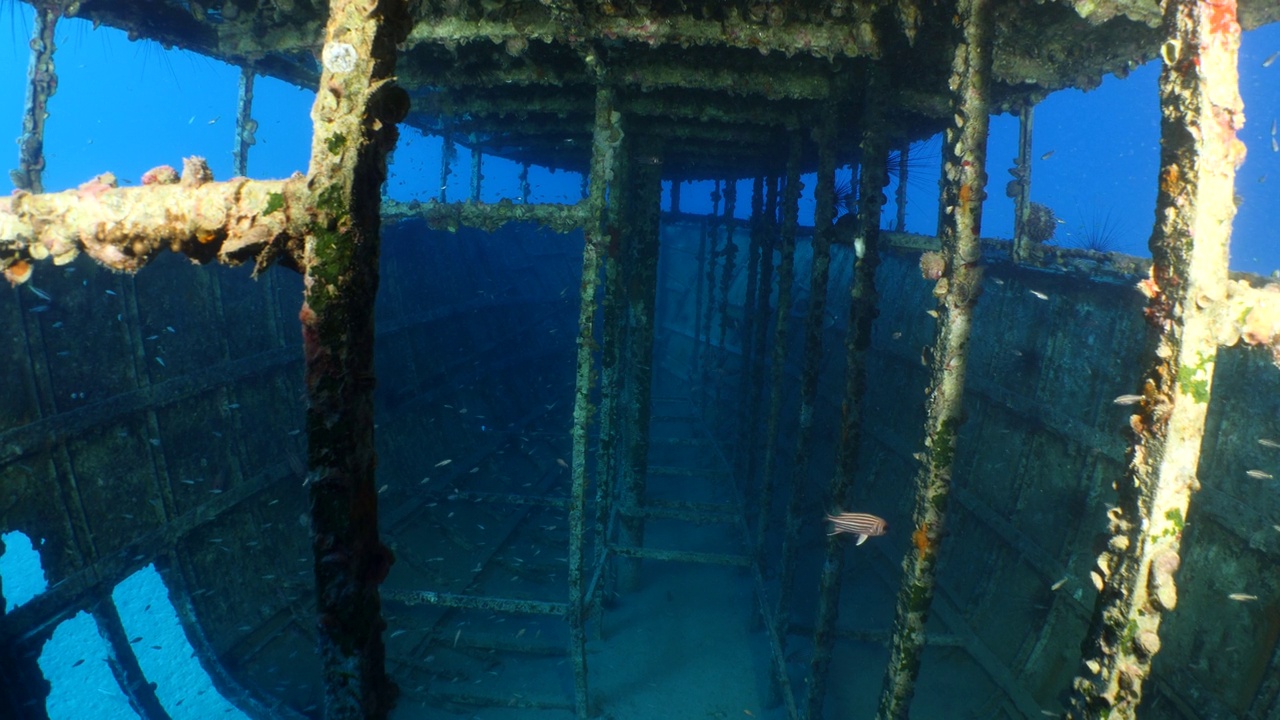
{"x": 959, "y": 279}
{"x": 1201, "y": 108}
{"x": 42, "y": 83}
{"x": 354, "y": 126}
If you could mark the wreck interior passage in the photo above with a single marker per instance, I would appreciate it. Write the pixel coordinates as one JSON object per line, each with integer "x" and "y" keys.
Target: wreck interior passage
{"x": 639, "y": 360}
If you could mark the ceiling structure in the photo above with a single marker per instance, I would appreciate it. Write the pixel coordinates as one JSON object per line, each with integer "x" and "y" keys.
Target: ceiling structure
{"x": 715, "y": 84}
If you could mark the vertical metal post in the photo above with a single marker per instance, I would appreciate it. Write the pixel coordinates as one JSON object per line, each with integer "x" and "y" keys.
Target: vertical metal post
{"x": 862, "y": 313}
{"x": 764, "y": 294}
{"x": 713, "y": 230}
{"x": 1022, "y": 185}
{"x": 477, "y": 158}
{"x": 604, "y": 144}
{"x": 42, "y": 83}
{"x": 1199, "y": 152}
{"x": 964, "y": 157}
{"x": 613, "y": 364}
{"x": 746, "y": 328}
{"x": 730, "y": 254}
{"x": 644, "y": 186}
{"x": 786, "y": 275}
{"x": 354, "y": 122}
{"x": 448, "y": 153}
{"x": 675, "y": 197}
{"x": 695, "y": 362}
{"x": 823, "y": 218}
{"x": 525, "y": 189}
{"x": 246, "y": 126}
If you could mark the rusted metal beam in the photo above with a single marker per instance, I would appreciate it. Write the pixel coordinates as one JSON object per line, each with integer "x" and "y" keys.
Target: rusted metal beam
{"x": 606, "y": 138}
{"x": 1021, "y": 185}
{"x": 786, "y": 276}
{"x": 862, "y": 313}
{"x": 42, "y": 83}
{"x": 354, "y": 127}
{"x": 958, "y": 285}
{"x": 1187, "y": 291}
{"x": 246, "y": 126}
{"x": 823, "y": 229}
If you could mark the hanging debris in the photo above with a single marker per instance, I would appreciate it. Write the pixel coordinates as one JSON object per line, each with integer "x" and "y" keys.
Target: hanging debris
{"x": 1202, "y": 112}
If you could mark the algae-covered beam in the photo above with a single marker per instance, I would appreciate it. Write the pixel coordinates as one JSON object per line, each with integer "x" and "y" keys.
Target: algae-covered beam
{"x": 353, "y": 128}
{"x": 823, "y": 218}
{"x": 246, "y": 126}
{"x": 642, "y": 189}
{"x": 958, "y": 278}
{"x": 862, "y": 313}
{"x": 125, "y": 228}
{"x": 786, "y": 275}
{"x": 1201, "y": 112}
{"x": 604, "y": 149}
{"x": 486, "y": 216}
{"x": 828, "y": 39}
{"x": 42, "y": 83}
{"x": 1020, "y": 186}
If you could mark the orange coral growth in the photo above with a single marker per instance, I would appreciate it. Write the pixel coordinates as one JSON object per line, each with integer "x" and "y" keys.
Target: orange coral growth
{"x": 18, "y": 273}
{"x": 920, "y": 538}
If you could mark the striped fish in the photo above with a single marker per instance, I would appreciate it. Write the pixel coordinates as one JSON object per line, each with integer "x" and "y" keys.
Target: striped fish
{"x": 860, "y": 524}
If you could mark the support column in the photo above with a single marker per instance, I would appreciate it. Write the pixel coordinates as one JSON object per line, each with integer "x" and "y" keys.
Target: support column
{"x": 964, "y": 158}
{"x": 1201, "y": 112}
{"x": 643, "y": 187}
{"x": 448, "y": 153}
{"x": 726, "y": 278}
{"x": 746, "y": 419}
{"x": 713, "y": 234}
{"x": 760, "y": 340}
{"x": 42, "y": 83}
{"x": 477, "y": 159}
{"x": 605, "y": 139}
{"x": 1022, "y": 186}
{"x": 862, "y": 313}
{"x": 613, "y": 363}
{"x": 786, "y": 276}
{"x": 823, "y": 224}
{"x": 354, "y": 127}
{"x": 246, "y": 126}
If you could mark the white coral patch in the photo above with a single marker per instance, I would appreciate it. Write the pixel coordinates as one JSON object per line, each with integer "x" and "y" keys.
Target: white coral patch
{"x": 339, "y": 57}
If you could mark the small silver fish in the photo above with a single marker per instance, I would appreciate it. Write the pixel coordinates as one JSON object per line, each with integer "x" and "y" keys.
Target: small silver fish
{"x": 1260, "y": 475}
{"x": 1271, "y": 59}
{"x": 1243, "y": 597}
{"x": 862, "y": 525}
{"x": 1275, "y": 146}
{"x": 40, "y": 308}
{"x": 1273, "y": 127}
{"x": 1268, "y": 443}
{"x": 1128, "y": 400}
{"x": 1047, "y": 155}
{"x": 111, "y": 292}
{"x": 160, "y": 360}
{"x": 1039, "y": 294}
{"x": 442, "y": 463}
{"x": 45, "y": 296}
